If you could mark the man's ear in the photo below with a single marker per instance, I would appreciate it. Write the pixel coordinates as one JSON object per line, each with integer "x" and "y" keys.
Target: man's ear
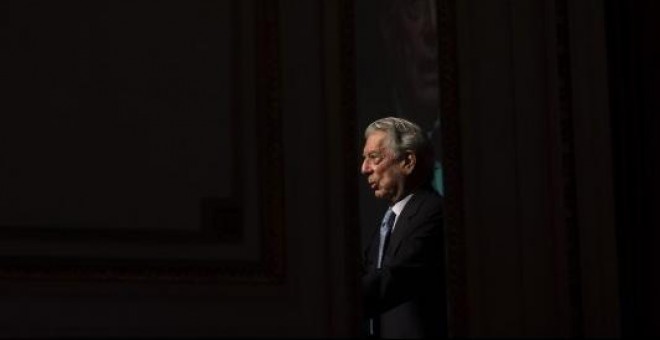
{"x": 408, "y": 162}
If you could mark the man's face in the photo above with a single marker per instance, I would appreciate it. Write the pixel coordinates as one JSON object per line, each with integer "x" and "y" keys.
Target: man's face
{"x": 385, "y": 174}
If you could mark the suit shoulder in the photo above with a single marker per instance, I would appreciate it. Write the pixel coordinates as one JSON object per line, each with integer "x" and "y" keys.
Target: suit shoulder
{"x": 429, "y": 199}
{"x": 426, "y": 202}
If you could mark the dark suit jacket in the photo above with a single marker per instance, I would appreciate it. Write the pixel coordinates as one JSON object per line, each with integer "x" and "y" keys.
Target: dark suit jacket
{"x": 407, "y": 296}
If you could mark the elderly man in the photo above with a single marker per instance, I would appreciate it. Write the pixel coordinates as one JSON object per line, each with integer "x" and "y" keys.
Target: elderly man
{"x": 404, "y": 283}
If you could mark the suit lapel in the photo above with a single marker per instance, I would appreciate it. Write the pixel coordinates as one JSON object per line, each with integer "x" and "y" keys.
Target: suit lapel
{"x": 403, "y": 224}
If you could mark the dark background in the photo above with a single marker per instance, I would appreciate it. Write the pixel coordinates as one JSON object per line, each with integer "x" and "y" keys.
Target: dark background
{"x": 108, "y": 113}
{"x": 633, "y": 82}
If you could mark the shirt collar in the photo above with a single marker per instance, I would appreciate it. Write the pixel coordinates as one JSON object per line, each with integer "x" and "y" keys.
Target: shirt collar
{"x": 398, "y": 206}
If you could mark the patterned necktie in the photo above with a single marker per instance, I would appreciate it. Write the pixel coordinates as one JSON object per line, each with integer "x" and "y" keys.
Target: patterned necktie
{"x": 385, "y": 229}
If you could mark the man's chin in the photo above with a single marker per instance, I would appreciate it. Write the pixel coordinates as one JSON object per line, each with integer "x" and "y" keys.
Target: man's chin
{"x": 380, "y": 194}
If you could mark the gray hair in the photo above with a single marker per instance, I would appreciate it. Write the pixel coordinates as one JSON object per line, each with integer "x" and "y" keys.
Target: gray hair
{"x": 403, "y": 135}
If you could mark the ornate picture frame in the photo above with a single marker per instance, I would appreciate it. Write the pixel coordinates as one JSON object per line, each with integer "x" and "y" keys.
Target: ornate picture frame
{"x": 103, "y": 256}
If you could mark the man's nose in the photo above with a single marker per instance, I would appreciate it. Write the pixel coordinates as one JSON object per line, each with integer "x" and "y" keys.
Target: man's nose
{"x": 365, "y": 169}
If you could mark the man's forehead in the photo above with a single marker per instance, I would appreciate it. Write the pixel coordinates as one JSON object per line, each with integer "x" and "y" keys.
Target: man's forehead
{"x": 375, "y": 141}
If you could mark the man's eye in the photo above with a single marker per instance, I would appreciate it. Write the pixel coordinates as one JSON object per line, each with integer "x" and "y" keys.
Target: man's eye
{"x": 374, "y": 157}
